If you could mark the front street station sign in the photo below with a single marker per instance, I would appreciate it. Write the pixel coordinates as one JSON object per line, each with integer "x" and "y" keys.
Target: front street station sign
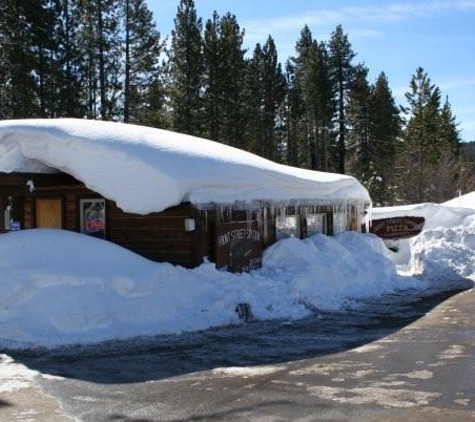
{"x": 397, "y": 227}
{"x": 238, "y": 246}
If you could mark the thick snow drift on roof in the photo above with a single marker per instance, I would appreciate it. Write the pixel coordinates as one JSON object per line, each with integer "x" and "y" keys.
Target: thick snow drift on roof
{"x": 145, "y": 169}
{"x": 59, "y": 287}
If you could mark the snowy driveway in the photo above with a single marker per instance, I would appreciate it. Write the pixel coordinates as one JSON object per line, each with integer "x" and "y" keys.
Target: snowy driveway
{"x": 421, "y": 370}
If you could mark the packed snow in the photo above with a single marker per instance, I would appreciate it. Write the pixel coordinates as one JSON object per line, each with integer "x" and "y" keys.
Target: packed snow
{"x": 463, "y": 201}
{"x": 146, "y": 169}
{"x": 437, "y": 216}
{"x": 59, "y": 287}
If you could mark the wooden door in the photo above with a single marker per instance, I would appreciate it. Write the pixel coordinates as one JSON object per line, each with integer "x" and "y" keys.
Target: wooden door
{"x": 49, "y": 213}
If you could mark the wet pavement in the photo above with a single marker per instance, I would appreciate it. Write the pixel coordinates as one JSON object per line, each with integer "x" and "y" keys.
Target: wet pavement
{"x": 375, "y": 359}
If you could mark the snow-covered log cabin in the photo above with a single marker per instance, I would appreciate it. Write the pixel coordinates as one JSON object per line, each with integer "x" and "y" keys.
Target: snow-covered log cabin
{"x": 166, "y": 196}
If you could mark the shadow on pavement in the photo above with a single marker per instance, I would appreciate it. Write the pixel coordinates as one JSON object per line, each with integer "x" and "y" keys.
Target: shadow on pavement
{"x": 4, "y": 403}
{"x": 255, "y": 343}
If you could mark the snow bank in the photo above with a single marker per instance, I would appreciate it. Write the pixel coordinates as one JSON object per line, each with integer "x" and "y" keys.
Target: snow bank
{"x": 446, "y": 256}
{"x": 59, "y": 287}
{"x": 436, "y": 216}
{"x": 145, "y": 169}
{"x": 464, "y": 201}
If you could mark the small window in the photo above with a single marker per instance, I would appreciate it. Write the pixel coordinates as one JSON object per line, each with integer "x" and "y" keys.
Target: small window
{"x": 93, "y": 217}
{"x": 340, "y": 222}
{"x": 287, "y": 226}
{"x": 316, "y": 223}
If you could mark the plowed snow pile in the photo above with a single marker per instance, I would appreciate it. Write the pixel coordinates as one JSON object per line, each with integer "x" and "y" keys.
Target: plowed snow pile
{"x": 445, "y": 255}
{"x": 58, "y": 287}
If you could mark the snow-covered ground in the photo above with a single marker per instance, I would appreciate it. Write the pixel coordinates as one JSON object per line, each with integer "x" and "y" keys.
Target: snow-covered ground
{"x": 59, "y": 287}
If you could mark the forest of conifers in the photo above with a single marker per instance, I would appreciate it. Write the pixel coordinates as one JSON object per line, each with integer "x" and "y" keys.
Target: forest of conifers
{"x": 106, "y": 59}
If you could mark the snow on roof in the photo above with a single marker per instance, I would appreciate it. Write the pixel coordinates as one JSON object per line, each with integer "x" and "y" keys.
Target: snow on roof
{"x": 145, "y": 169}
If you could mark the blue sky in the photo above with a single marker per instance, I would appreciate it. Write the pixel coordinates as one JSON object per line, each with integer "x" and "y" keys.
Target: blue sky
{"x": 390, "y": 36}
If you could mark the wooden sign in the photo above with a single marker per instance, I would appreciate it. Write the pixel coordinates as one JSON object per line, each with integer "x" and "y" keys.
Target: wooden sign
{"x": 397, "y": 227}
{"x": 238, "y": 246}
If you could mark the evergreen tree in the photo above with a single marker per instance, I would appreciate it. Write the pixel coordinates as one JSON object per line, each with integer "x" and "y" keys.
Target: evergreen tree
{"x": 143, "y": 93}
{"x": 431, "y": 169}
{"x": 213, "y": 83}
{"x": 186, "y": 70}
{"x": 319, "y": 103}
{"x": 360, "y": 140}
{"x": 342, "y": 70}
{"x": 224, "y": 74}
{"x": 18, "y": 90}
{"x": 101, "y": 48}
{"x": 232, "y": 75}
{"x": 300, "y": 69}
{"x": 292, "y": 114}
{"x": 267, "y": 91}
{"x": 385, "y": 131}
{"x": 69, "y": 102}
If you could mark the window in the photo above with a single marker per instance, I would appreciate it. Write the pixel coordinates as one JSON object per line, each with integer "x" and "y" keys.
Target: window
{"x": 287, "y": 226}
{"x": 316, "y": 223}
{"x": 340, "y": 222}
{"x": 93, "y": 217}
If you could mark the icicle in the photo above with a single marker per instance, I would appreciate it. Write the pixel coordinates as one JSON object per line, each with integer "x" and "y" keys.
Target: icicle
{"x": 266, "y": 225}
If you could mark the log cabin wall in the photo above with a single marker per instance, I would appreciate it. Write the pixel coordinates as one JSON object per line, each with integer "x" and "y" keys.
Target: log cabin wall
{"x": 157, "y": 236}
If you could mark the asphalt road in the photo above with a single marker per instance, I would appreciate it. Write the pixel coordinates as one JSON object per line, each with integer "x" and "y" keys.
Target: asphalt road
{"x": 394, "y": 359}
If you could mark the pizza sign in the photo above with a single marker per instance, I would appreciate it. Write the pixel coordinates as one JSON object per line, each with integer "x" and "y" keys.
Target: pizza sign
{"x": 397, "y": 227}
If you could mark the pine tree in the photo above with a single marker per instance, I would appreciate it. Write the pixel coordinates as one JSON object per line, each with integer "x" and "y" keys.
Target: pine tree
{"x": 101, "y": 49}
{"x": 232, "y": 75}
{"x": 69, "y": 101}
{"x": 142, "y": 79}
{"x": 292, "y": 112}
{"x": 267, "y": 91}
{"x": 360, "y": 141}
{"x": 431, "y": 170}
{"x": 300, "y": 68}
{"x": 212, "y": 78}
{"x": 186, "y": 70}
{"x": 18, "y": 91}
{"x": 385, "y": 131}
{"x": 223, "y": 76}
{"x": 342, "y": 69}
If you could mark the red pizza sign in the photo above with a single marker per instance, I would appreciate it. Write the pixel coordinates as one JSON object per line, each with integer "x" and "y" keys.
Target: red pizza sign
{"x": 397, "y": 227}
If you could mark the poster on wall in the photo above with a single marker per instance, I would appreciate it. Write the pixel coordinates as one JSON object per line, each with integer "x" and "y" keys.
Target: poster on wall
{"x": 93, "y": 217}
{"x": 238, "y": 246}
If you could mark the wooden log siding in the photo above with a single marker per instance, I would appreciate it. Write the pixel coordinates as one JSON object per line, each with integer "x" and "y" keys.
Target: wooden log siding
{"x": 157, "y": 236}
